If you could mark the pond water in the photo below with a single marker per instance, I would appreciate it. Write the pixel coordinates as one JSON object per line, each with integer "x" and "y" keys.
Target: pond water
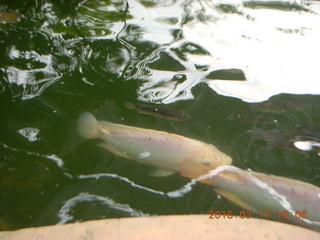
{"x": 245, "y": 71}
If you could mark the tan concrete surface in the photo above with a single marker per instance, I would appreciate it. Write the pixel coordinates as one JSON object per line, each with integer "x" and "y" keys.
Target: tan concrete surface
{"x": 165, "y": 227}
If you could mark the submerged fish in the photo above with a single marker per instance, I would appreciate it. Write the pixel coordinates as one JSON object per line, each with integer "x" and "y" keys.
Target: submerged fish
{"x": 158, "y": 111}
{"x": 287, "y": 199}
{"x": 9, "y": 17}
{"x": 300, "y": 139}
{"x": 160, "y": 149}
{"x": 282, "y": 106}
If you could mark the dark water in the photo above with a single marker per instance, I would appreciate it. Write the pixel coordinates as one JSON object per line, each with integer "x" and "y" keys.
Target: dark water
{"x": 60, "y": 58}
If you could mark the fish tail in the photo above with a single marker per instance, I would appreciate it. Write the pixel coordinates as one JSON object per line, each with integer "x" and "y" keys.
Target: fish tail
{"x": 130, "y": 105}
{"x": 88, "y": 127}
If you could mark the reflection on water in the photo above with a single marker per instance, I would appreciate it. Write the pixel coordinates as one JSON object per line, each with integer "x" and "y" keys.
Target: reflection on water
{"x": 174, "y": 45}
{"x": 64, "y": 213}
{"x": 61, "y": 58}
{"x": 29, "y": 133}
{"x": 115, "y": 176}
{"x": 210, "y": 36}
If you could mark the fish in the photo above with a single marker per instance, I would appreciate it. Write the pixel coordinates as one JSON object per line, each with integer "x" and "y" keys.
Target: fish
{"x": 274, "y": 137}
{"x": 263, "y": 193}
{"x": 163, "y": 150}
{"x": 158, "y": 111}
{"x": 9, "y": 17}
{"x": 300, "y": 139}
{"x": 281, "y": 106}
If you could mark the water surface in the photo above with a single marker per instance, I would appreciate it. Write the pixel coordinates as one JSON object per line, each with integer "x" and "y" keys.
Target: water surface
{"x": 245, "y": 72}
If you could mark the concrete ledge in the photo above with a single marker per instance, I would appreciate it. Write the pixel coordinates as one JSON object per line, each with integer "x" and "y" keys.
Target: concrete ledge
{"x": 165, "y": 227}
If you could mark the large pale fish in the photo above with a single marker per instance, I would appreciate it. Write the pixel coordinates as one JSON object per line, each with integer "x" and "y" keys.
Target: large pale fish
{"x": 160, "y": 149}
{"x": 283, "y": 198}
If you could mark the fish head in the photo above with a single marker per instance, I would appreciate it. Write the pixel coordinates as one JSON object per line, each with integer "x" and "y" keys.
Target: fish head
{"x": 215, "y": 158}
{"x": 204, "y": 158}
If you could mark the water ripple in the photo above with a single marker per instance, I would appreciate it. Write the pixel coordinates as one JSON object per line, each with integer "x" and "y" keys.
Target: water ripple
{"x": 222, "y": 35}
{"x": 65, "y": 216}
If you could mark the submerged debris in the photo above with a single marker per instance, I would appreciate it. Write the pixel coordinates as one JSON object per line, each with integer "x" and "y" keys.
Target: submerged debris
{"x": 158, "y": 111}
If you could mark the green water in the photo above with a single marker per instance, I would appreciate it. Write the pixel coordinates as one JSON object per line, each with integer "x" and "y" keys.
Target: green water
{"x": 61, "y": 58}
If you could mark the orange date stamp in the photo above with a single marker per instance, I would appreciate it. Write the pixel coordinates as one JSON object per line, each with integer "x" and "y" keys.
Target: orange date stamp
{"x": 261, "y": 214}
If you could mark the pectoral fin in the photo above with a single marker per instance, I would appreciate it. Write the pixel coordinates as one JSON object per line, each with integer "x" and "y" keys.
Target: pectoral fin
{"x": 188, "y": 168}
{"x": 161, "y": 172}
{"x": 235, "y": 199}
{"x": 113, "y": 150}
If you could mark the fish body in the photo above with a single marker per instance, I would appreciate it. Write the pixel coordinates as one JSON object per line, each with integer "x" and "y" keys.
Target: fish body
{"x": 300, "y": 139}
{"x": 261, "y": 192}
{"x": 281, "y": 106}
{"x": 158, "y": 111}
{"x": 9, "y": 17}
{"x": 160, "y": 149}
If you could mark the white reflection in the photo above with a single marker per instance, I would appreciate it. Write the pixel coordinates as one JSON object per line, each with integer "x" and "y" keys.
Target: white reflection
{"x": 51, "y": 157}
{"x": 56, "y": 159}
{"x": 29, "y": 133}
{"x": 273, "y": 59}
{"x": 27, "y": 79}
{"x": 124, "y": 179}
{"x": 65, "y": 213}
{"x": 144, "y": 155}
{"x": 37, "y": 75}
{"x": 306, "y": 145}
{"x": 277, "y": 48}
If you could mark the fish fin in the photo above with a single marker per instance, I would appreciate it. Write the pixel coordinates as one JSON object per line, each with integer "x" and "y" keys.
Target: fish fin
{"x": 88, "y": 126}
{"x": 235, "y": 199}
{"x": 113, "y": 150}
{"x": 161, "y": 172}
{"x": 107, "y": 126}
{"x": 130, "y": 105}
{"x": 188, "y": 169}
